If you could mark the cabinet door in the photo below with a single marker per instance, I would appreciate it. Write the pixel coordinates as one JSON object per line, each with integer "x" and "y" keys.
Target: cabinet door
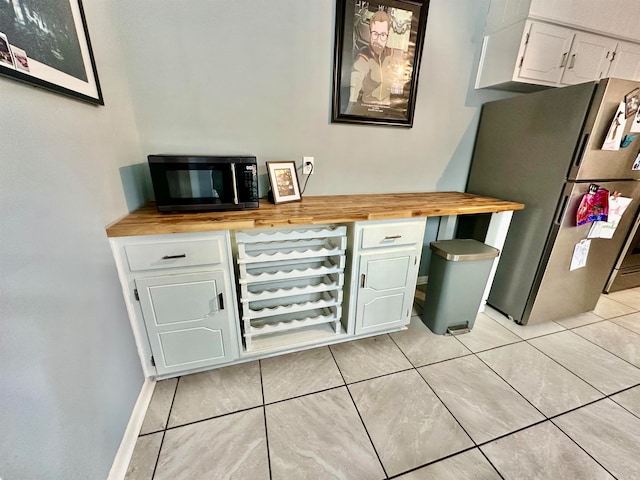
{"x": 546, "y": 52}
{"x": 187, "y": 321}
{"x": 386, "y": 288}
{"x": 588, "y": 59}
{"x": 626, "y": 62}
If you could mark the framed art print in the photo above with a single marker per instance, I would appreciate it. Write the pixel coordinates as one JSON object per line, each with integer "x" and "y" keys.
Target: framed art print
{"x": 46, "y": 43}
{"x": 284, "y": 182}
{"x": 377, "y": 51}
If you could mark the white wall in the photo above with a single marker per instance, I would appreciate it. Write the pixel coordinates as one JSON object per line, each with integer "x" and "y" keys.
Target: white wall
{"x": 69, "y": 372}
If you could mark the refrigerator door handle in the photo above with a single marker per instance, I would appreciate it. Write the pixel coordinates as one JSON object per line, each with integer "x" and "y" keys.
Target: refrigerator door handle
{"x": 563, "y": 209}
{"x": 583, "y": 147}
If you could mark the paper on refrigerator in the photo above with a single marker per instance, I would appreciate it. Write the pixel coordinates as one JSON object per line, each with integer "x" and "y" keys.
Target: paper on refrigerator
{"x": 580, "y": 254}
{"x": 617, "y": 206}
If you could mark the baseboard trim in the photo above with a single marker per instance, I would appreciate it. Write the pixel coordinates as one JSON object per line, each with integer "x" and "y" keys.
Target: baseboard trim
{"x": 128, "y": 443}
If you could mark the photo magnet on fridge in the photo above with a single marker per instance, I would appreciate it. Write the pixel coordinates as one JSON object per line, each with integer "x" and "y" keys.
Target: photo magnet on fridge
{"x": 635, "y": 126}
{"x": 614, "y": 135}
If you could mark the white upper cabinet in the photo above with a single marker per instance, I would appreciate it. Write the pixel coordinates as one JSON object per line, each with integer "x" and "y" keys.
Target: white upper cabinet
{"x": 588, "y": 59}
{"x": 626, "y": 61}
{"x": 545, "y": 42}
{"x": 545, "y": 53}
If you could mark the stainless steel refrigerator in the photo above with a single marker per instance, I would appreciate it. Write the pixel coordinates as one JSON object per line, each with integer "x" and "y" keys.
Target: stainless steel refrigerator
{"x": 544, "y": 149}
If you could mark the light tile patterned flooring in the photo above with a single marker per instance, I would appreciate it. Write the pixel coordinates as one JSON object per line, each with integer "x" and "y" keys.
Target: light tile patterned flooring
{"x": 547, "y": 401}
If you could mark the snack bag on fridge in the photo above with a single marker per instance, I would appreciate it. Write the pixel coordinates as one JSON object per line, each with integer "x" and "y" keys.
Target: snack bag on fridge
{"x": 594, "y": 206}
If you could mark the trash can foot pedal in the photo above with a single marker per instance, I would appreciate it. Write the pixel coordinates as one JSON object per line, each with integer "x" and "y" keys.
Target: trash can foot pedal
{"x": 458, "y": 330}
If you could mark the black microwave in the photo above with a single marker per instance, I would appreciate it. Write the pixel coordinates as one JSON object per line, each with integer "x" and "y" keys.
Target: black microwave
{"x": 200, "y": 183}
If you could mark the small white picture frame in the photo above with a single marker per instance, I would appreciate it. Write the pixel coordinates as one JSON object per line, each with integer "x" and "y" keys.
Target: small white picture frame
{"x": 284, "y": 182}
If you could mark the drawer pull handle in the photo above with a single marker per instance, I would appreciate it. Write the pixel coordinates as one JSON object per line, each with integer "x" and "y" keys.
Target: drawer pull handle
{"x": 220, "y": 302}
{"x": 171, "y": 257}
{"x": 362, "y": 277}
{"x": 392, "y": 237}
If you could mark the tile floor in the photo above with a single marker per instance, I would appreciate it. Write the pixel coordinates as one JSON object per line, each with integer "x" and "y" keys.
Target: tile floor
{"x": 548, "y": 401}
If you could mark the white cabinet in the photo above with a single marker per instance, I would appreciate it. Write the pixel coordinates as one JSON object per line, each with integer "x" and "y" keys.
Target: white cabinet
{"x": 521, "y": 51}
{"x": 187, "y": 320}
{"x": 626, "y": 61}
{"x": 180, "y": 297}
{"x": 386, "y": 260}
{"x": 545, "y": 55}
{"x": 588, "y": 59}
{"x": 290, "y": 284}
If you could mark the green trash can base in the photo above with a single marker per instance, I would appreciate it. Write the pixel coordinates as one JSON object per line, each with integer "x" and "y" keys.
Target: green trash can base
{"x": 458, "y": 275}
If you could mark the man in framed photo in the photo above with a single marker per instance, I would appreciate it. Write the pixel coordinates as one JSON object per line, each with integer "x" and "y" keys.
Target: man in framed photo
{"x": 372, "y": 75}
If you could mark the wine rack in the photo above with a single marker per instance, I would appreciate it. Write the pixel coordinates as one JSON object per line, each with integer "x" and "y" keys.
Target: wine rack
{"x": 289, "y": 280}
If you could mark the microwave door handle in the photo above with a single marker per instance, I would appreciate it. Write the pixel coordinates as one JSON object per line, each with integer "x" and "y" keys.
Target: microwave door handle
{"x": 235, "y": 184}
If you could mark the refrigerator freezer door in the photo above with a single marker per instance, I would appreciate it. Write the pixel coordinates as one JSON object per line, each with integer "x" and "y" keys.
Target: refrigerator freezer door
{"x": 590, "y": 162}
{"x": 562, "y": 292}
{"x": 523, "y": 151}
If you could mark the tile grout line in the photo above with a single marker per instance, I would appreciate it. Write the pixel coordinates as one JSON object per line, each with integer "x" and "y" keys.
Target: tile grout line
{"x": 490, "y": 462}
{"x": 434, "y": 392}
{"x": 567, "y": 369}
{"x": 164, "y": 432}
{"x": 581, "y": 448}
{"x": 264, "y": 417}
{"x": 401, "y": 474}
{"x": 384, "y": 470}
{"x": 174, "y": 427}
{"x": 512, "y": 387}
{"x": 522, "y": 338}
{"x": 605, "y": 349}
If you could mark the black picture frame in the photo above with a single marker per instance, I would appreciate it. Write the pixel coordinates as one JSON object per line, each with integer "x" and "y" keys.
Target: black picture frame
{"x": 632, "y": 102}
{"x": 46, "y": 44}
{"x": 377, "y": 85}
{"x": 283, "y": 179}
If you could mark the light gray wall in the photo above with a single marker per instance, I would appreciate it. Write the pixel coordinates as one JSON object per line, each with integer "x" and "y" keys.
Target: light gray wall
{"x": 236, "y": 77}
{"x": 69, "y": 372}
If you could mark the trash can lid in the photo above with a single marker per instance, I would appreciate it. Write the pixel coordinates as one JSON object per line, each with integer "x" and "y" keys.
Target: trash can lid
{"x": 463, "y": 250}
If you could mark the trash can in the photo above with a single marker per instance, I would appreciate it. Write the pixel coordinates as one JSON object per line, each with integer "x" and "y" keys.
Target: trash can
{"x": 458, "y": 275}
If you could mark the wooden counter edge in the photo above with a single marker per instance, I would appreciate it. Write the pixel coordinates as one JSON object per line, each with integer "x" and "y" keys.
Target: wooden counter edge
{"x": 344, "y": 209}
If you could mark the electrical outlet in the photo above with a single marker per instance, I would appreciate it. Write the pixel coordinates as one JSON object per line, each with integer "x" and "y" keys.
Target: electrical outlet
{"x": 308, "y": 165}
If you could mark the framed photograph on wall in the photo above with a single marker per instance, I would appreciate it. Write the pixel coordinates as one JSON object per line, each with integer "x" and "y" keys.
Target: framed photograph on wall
{"x": 46, "y": 43}
{"x": 284, "y": 182}
{"x": 377, "y": 51}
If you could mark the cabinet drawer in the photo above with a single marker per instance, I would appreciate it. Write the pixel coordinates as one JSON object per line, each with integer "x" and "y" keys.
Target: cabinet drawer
{"x": 152, "y": 256}
{"x": 392, "y": 234}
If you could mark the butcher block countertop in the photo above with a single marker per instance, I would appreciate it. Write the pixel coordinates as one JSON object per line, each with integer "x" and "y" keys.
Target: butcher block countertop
{"x": 311, "y": 211}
